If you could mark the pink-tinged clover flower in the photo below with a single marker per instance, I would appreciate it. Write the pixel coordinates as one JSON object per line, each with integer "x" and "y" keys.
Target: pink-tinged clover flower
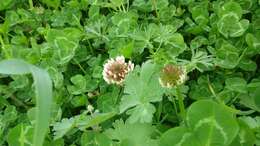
{"x": 115, "y": 70}
{"x": 172, "y": 75}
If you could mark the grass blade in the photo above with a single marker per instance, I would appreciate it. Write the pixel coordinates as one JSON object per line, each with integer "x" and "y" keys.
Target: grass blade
{"x": 43, "y": 90}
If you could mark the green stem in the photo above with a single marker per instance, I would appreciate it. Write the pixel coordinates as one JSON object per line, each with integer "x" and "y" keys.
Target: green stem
{"x": 155, "y": 7}
{"x": 163, "y": 119}
{"x": 236, "y": 111}
{"x": 242, "y": 55}
{"x": 22, "y": 139}
{"x": 81, "y": 68}
{"x": 31, "y": 4}
{"x": 19, "y": 102}
{"x": 127, "y": 5}
{"x": 159, "y": 111}
{"x": 121, "y": 92}
{"x": 90, "y": 47}
{"x": 213, "y": 91}
{"x": 120, "y": 9}
{"x": 7, "y": 55}
{"x": 175, "y": 108}
{"x": 230, "y": 109}
{"x": 181, "y": 103}
{"x": 123, "y": 7}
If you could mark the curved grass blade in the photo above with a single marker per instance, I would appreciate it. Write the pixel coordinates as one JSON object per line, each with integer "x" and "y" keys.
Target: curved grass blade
{"x": 43, "y": 90}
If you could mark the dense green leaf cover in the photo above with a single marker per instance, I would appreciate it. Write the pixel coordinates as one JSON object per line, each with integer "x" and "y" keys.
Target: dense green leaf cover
{"x": 52, "y": 56}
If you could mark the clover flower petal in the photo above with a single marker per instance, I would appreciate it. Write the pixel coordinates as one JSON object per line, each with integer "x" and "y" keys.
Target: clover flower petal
{"x": 172, "y": 75}
{"x": 115, "y": 70}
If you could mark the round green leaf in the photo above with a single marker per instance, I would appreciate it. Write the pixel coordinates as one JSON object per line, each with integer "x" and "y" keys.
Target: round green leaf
{"x": 179, "y": 136}
{"x": 212, "y": 124}
{"x": 231, "y": 8}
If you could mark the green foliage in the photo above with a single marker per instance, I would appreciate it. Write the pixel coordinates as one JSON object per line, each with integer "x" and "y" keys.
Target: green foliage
{"x": 227, "y": 56}
{"x": 236, "y": 84}
{"x": 80, "y": 122}
{"x": 207, "y": 124}
{"x": 43, "y": 89}
{"x": 230, "y": 24}
{"x": 141, "y": 89}
{"x": 20, "y": 135}
{"x": 94, "y": 139}
{"x": 52, "y": 3}
{"x": 132, "y": 134}
{"x": 65, "y": 43}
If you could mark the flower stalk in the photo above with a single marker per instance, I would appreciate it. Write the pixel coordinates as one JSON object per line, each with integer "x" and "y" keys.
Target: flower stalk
{"x": 174, "y": 76}
{"x": 181, "y": 103}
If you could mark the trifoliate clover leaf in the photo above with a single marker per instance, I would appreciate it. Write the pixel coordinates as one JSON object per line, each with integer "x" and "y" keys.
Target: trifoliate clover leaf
{"x": 142, "y": 5}
{"x": 10, "y": 115}
{"x": 141, "y": 89}
{"x": 236, "y": 84}
{"x": 208, "y": 124}
{"x": 200, "y": 12}
{"x": 253, "y": 42}
{"x": 67, "y": 15}
{"x": 125, "y": 21}
{"x": 79, "y": 85}
{"x": 64, "y": 43}
{"x": 229, "y": 26}
{"x": 174, "y": 42}
{"x": 227, "y": 56}
{"x": 212, "y": 123}
{"x": 247, "y": 64}
{"x": 229, "y": 23}
{"x": 230, "y": 8}
{"x": 134, "y": 134}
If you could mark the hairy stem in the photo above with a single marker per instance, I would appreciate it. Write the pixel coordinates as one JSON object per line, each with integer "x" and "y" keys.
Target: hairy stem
{"x": 181, "y": 103}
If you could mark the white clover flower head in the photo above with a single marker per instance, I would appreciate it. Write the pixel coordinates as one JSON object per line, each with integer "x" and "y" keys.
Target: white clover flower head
{"x": 115, "y": 70}
{"x": 172, "y": 75}
{"x": 90, "y": 108}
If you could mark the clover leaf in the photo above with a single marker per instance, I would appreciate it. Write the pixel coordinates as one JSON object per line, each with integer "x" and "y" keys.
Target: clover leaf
{"x": 227, "y": 56}
{"x": 208, "y": 124}
{"x": 229, "y": 23}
